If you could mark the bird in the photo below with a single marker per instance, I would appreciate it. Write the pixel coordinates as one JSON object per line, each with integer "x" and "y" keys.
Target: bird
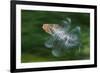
{"x": 62, "y": 37}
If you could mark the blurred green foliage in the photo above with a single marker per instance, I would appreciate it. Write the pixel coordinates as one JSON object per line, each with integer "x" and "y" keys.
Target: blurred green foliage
{"x": 33, "y": 36}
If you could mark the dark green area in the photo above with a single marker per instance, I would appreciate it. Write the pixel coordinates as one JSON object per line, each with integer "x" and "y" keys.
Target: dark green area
{"x": 33, "y": 36}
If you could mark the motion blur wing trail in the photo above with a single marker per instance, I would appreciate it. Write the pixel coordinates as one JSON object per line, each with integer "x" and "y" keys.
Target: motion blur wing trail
{"x": 58, "y": 52}
{"x": 67, "y": 21}
{"x": 66, "y": 24}
{"x": 76, "y": 31}
{"x": 50, "y": 42}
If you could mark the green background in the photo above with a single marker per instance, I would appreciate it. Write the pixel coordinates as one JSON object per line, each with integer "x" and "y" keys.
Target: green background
{"x": 33, "y": 36}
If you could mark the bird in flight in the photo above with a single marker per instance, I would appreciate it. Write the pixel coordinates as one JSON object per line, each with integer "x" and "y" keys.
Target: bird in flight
{"x": 62, "y": 37}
